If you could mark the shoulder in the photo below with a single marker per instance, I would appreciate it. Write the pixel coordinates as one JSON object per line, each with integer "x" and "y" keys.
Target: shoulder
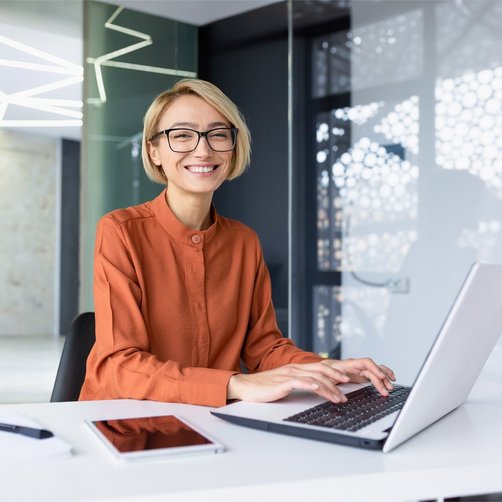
{"x": 237, "y": 228}
{"x": 240, "y": 238}
{"x": 132, "y": 213}
{"x": 123, "y": 222}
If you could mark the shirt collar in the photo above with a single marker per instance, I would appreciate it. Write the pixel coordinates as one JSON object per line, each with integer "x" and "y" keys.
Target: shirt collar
{"x": 178, "y": 230}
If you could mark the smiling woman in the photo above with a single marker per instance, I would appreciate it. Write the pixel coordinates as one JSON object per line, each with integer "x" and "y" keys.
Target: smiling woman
{"x": 182, "y": 294}
{"x": 217, "y": 110}
{"x": 189, "y": 164}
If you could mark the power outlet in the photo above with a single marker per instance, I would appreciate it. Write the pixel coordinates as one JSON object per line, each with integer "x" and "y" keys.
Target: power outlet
{"x": 400, "y": 285}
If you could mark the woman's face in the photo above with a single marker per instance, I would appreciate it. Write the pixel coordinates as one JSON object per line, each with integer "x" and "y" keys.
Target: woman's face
{"x": 202, "y": 170}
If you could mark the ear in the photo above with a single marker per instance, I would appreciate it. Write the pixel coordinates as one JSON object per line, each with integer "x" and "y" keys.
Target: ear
{"x": 153, "y": 152}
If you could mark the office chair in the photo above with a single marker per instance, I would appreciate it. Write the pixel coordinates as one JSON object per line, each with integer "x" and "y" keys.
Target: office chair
{"x": 71, "y": 370}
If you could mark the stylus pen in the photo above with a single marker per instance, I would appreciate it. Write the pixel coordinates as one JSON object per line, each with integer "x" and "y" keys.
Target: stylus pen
{"x": 26, "y": 431}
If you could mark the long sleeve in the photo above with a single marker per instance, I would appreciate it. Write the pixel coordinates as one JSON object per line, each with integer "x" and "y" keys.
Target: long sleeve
{"x": 265, "y": 348}
{"x": 121, "y": 362}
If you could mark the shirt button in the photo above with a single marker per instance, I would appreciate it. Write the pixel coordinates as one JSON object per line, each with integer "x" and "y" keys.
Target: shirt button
{"x": 196, "y": 239}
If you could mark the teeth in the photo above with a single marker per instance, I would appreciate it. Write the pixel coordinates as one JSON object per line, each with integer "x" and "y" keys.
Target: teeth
{"x": 205, "y": 169}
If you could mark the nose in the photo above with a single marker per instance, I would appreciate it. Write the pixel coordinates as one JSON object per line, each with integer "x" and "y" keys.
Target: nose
{"x": 203, "y": 147}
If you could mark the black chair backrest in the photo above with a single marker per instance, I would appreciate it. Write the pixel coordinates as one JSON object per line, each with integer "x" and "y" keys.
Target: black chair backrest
{"x": 71, "y": 370}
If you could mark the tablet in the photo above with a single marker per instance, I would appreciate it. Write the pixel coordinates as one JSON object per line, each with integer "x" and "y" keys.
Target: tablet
{"x": 148, "y": 437}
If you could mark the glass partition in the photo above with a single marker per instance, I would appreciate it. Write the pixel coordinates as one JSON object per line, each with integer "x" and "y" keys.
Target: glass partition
{"x": 130, "y": 57}
{"x": 397, "y": 170}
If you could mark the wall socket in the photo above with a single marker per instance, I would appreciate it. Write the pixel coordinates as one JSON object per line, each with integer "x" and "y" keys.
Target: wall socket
{"x": 399, "y": 285}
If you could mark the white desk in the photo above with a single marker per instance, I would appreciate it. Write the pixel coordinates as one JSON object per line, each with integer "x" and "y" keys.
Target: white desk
{"x": 459, "y": 455}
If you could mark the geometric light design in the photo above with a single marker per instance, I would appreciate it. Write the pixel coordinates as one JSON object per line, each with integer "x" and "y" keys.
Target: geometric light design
{"x": 384, "y": 250}
{"x": 358, "y": 114}
{"x": 401, "y": 125}
{"x": 32, "y": 97}
{"x": 388, "y": 50}
{"x": 364, "y": 186}
{"x": 328, "y": 321}
{"x": 330, "y": 64}
{"x": 374, "y": 187}
{"x": 108, "y": 59}
{"x": 380, "y": 184}
{"x": 332, "y": 323}
{"x": 368, "y": 55}
{"x": 469, "y": 125}
{"x": 351, "y": 235}
{"x": 482, "y": 239}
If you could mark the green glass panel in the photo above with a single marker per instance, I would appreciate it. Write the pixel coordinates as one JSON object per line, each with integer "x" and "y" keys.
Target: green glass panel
{"x": 130, "y": 57}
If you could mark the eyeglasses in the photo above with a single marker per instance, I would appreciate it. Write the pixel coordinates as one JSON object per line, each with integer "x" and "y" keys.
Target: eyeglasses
{"x": 180, "y": 140}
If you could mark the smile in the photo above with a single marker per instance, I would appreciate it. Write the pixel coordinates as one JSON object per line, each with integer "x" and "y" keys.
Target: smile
{"x": 201, "y": 169}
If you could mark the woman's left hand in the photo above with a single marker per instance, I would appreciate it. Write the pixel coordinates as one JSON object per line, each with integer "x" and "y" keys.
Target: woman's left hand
{"x": 365, "y": 370}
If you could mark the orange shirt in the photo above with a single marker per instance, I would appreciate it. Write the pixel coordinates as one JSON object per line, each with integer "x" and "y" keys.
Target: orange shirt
{"x": 178, "y": 309}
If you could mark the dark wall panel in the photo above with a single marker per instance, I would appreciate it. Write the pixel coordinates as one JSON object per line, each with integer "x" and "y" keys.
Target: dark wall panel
{"x": 70, "y": 218}
{"x": 247, "y": 57}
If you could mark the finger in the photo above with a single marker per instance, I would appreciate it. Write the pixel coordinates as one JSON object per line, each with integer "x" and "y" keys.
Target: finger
{"x": 274, "y": 392}
{"x": 368, "y": 368}
{"x": 357, "y": 378}
{"x": 390, "y": 374}
{"x": 387, "y": 381}
{"x": 377, "y": 382}
{"x": 325, "y": 381}
{"x": 329, "y": 376}
{"x": 335, "y": 373}
{"x": 334, "y": 395}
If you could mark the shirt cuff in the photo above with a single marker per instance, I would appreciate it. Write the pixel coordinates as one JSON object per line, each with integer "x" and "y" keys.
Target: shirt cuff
{"x": 208, "y": 387}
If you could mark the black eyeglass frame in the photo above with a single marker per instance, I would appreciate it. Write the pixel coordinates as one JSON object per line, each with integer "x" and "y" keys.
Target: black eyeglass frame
{"x": 201, "y": 134}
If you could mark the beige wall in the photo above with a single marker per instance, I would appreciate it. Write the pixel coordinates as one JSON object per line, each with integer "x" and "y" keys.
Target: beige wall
{"x": 28, "y": 188}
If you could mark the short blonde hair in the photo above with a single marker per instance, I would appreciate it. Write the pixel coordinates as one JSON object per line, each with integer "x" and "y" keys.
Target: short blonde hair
{"x": 218, "y": 100}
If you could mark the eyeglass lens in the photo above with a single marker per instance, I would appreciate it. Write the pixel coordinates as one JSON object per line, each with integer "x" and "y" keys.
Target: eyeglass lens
{"x": 186, "y": 140}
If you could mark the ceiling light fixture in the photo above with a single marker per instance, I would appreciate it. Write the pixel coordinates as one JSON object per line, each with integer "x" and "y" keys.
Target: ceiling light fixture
{"x": 106, "y": 59}
{"x": 27, "y": 98}
{"x": 41, "y": 123}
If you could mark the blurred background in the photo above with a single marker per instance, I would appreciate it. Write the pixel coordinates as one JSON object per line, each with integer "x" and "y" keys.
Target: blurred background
{"x": 376, "y": 176}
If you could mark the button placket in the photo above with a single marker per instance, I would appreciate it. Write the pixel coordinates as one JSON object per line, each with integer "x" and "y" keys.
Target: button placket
{"x": 200, "y": 349}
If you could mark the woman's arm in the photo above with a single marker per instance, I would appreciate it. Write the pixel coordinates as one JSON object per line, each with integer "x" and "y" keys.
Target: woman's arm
{"x": 320, "y": 378}
{"x": 120, "y": 364}
{"x": 264, "y": 347}
{"x": 278, "y": 367}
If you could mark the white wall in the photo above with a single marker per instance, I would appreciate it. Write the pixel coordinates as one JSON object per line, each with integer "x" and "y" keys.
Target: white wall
{"x": 28, "y": 240}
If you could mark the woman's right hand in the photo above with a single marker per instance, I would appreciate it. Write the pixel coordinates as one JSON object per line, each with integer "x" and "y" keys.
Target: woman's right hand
{"x": 275, "y": 384}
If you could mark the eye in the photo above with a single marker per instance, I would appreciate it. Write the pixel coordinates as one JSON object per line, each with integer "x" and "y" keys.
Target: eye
{"x": 220, "y": 134}
{"x": 182, "y": 134}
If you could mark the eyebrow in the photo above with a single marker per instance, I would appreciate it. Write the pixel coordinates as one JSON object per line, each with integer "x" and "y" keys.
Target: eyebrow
{"x": 193, "y": 126}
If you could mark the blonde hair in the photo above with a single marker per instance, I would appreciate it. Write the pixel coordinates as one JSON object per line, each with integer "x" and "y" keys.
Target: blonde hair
{"x": 213, "y": 96}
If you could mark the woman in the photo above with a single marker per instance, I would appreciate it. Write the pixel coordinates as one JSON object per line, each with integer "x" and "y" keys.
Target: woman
{"x": 182, "y": 294}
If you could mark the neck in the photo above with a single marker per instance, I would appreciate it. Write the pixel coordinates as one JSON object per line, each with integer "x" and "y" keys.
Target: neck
{"x": 193, "y": 210}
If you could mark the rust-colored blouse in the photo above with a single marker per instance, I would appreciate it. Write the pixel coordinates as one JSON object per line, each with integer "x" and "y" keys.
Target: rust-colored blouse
{"x": 177, "y": 309}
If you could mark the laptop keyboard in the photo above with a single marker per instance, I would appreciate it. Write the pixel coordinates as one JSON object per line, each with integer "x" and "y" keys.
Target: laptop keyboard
{"x": 364, "y": 407}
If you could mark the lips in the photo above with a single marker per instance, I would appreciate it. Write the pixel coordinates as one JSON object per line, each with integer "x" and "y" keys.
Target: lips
{"x": 202, "y": 169}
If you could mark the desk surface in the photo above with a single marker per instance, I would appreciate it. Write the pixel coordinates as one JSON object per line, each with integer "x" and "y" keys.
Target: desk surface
{"x": 459, "y": 455}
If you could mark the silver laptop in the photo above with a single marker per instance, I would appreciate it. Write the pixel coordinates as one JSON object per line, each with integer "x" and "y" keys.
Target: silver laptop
{"x": 466, "y": 339}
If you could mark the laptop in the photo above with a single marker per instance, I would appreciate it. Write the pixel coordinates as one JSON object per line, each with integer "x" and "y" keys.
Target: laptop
{"x": 465, "y": 340}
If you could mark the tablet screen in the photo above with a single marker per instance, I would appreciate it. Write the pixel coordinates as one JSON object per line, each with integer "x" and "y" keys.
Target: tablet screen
{"x": 150, "y": 434}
